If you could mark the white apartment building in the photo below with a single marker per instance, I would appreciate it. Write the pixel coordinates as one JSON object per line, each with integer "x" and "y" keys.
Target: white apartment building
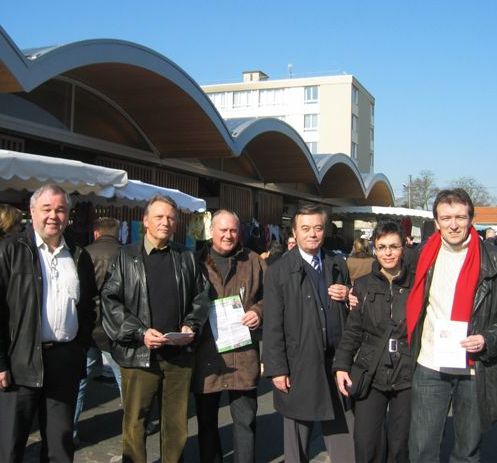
{"x": 332, "y": 114}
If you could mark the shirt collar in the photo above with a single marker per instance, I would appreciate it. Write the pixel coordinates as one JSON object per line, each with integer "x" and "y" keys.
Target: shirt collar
{"x": 149, "y": 247}
{"x": 41, "y": 244}
{"x": 308, "y": 257}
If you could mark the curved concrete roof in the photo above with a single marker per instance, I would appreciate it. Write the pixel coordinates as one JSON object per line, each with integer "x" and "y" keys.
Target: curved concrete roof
{"x": 178, "y": 119}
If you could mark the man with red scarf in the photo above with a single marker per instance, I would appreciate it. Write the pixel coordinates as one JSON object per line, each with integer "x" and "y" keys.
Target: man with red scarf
{"x": 455, "y": 285}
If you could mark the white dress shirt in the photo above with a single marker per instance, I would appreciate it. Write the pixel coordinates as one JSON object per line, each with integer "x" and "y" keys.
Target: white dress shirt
{"x": 308, "y": 258}
{"x": 59, "y": 317}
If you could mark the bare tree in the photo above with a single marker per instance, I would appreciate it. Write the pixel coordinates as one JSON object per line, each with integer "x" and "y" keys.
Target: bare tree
{"x": 420, "y": 192}
{"x": 477, "y": 192}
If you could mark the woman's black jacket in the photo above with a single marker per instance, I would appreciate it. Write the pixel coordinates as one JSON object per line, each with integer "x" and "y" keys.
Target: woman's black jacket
{"x": 381, "y": 306}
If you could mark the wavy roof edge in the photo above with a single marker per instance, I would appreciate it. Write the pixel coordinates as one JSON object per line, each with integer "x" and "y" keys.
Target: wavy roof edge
{"x": 24, "y": 73}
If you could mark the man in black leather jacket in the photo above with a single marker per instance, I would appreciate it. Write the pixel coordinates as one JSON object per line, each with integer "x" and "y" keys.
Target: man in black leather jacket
{"x": 155, "y": 288}
{"x": 455, "y": 270}
{"x": 47, "y": 291}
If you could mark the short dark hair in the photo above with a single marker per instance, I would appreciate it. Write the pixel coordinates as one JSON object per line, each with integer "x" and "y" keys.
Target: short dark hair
{"x": 160, "y": 198}
{"x": 107, "y": 226}
{"x": 456, "y": 195}
{"x": 309, "y": 209}
{"x": 388, "y": 227}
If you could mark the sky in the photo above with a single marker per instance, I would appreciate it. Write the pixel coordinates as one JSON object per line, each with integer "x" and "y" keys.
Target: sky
{"x": 431, "y": 65}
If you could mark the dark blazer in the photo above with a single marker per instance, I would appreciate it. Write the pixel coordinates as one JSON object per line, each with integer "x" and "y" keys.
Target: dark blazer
{"x": 20, "y": 306}
{"x": 125, "y": 307}
{"x": 294, "y": 341}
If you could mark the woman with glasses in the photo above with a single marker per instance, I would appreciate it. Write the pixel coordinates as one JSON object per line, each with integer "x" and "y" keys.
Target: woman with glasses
{"x": 375, "y": 339}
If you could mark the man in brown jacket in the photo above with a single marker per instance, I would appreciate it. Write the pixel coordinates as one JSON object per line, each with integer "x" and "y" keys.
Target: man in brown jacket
{"x": 232, "y": 271}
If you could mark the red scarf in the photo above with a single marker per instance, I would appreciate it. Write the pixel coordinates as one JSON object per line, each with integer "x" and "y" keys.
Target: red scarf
{"x": 462, "y": 306}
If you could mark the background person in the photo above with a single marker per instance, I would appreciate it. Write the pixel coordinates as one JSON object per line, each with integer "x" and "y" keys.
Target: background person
{"x": 382, "y": 296}
{"x": 231, "y": 270}
{"x": 291, "y": 242}
{"x": 305, "y": 312}
{"x": 274, "y": 252}
{"x": 490, "y": 235}
{"x": 102, "y": 251}
{"x": 47, "y": 291}
{"x": 360, "y": 259}
{"x": 10, "y": 220}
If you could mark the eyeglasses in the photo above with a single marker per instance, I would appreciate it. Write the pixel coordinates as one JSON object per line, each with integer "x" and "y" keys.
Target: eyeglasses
{"x": 391, "y": 247}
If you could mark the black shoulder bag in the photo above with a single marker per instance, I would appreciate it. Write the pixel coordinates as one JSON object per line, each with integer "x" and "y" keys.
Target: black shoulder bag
{"x": 362, "y": 377}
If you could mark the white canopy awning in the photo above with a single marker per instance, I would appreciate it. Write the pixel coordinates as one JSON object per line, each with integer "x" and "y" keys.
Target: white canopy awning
{"x": 23, "y": 171}
{"x": 380, "y": 211}
{"x": 137, "y": 191}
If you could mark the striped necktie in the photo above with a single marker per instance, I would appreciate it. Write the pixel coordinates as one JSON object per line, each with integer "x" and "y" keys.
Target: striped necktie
{"x": 316, "y": 264}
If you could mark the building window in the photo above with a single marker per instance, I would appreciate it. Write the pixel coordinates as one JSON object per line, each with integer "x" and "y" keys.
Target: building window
{"x": 271, "y": 97}
{"x": 241, "y": 99}
{"x": 353, "y": 151}
{"x": 310, "y": 122}
{"x": 312, "y": 146}
{"x": 311, "y": 94}
{"x": 372, "y": 113}
{"x": 371, "y": 138}
{"x": 354, "y": 123}
{"x": 371, "y": 155}
{"x": 218, "y": 99}
{"x": 355, "y": 95}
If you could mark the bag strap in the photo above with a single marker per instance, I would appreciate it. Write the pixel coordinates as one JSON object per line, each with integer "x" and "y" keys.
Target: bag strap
{"x": 379, "y": 350}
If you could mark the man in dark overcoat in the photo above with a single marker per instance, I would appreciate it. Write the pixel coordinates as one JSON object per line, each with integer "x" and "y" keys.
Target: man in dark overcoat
{"x": 304, "y": 295}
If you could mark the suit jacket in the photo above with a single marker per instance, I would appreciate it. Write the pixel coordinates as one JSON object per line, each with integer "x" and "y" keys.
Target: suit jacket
{"x": 294, "y": 339}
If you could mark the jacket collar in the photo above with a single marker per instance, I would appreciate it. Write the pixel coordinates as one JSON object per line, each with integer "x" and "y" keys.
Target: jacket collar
{"x": 403, "y": 279}
{"x": 488, "y": 261}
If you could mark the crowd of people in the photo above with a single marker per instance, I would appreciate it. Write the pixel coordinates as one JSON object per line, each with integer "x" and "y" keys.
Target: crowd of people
{"x": 398, "y": 334}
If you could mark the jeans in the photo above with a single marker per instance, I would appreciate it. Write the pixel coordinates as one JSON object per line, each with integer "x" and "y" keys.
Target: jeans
{"x": 432, "y": 394}
{"x": 93, "y": 364}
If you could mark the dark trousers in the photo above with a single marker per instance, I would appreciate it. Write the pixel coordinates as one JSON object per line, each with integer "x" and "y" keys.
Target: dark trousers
{"x": 296, "y": 438}
{"x": 170, "y": 381}
{"x": 243, "y": 408}
{"x": 382, "y": 413}
{"x": 55, "y": 402}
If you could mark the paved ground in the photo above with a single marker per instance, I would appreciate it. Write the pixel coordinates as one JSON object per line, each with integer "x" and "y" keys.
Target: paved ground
{"x": 100, "y": 433}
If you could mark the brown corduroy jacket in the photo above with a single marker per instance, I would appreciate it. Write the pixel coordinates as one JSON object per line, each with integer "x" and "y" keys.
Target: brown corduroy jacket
{"x": 238, "y": 369}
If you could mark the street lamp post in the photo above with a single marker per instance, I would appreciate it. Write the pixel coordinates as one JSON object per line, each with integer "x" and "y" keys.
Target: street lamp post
{"x": 408, "y": 186}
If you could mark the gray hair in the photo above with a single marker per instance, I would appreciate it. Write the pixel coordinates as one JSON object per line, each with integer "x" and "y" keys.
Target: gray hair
{"x": 225, "y": 211}
{"x": 160, "y": 198}
{"x": 52, "y": 188}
